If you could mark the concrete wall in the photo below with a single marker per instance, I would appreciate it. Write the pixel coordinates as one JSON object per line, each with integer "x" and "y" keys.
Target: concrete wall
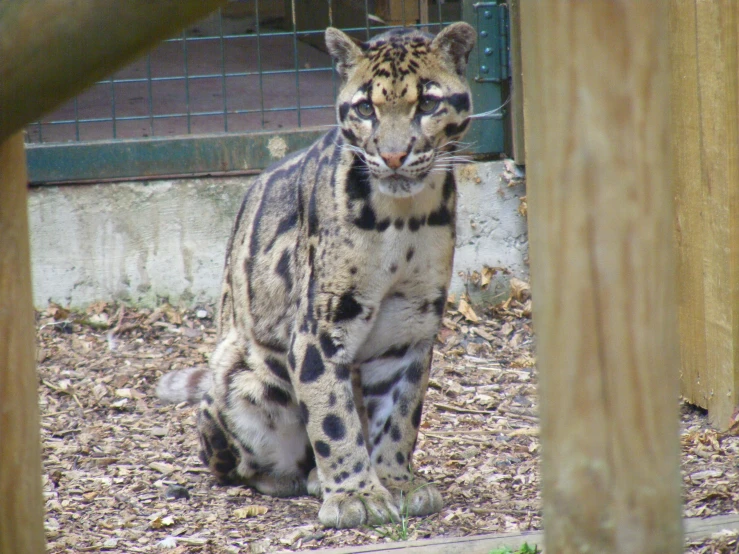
{"x": 144, "y": 242}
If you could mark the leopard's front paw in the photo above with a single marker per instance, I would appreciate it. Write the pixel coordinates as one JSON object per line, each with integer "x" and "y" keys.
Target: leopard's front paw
{"x": 352, "y": 509}
{"x": 417, "y": 498}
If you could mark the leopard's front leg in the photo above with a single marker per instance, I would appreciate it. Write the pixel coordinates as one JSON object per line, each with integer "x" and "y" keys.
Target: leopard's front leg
{"x": 393, "y": 389}
{"x": 353, "y": 495}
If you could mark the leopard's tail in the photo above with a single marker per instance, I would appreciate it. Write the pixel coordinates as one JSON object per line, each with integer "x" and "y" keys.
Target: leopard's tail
{"x": 185, "y": 385}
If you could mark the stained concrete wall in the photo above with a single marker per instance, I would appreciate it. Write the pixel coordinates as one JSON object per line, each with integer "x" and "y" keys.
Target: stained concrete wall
{"x": 144, "y": 242}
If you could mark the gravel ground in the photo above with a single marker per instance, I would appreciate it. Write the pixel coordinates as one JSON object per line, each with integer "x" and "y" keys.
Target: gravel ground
{"x": 121, "y": 472}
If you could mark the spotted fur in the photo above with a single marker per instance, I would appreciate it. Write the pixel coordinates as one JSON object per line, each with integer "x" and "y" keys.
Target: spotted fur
{"x": 334, "y": 287}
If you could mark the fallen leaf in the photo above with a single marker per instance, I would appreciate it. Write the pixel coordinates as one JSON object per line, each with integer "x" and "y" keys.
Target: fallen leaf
{"x": 250, "y": 511}
{"x": 466, "y": 310}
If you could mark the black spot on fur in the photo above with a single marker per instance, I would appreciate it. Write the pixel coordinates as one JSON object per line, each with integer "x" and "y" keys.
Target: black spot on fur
{"x": 283, "y": 269}
{"x": 277, "y": 368}
{"x": 308, "y": 462}
{"x": 399, "y": 224}
{"x": 334, "y": 428}
{"x": 414, "y": 224}
{"x": 327, "y": 344}
{"x": 367, "y": 218}
{"x": 357, "y": 182}
{"x": 449, "y": 186}
{"x": 343, "y": 372}
{"x": 399, "y": 458}
{"x": 223, "y": 468}
{"x": 349, "y": 135}
{"x": 442, "y": 216}
{"x": 323, "y": 449}
{"x": 312, "y": 214}
{"x": 395, "y": 433}
{"x": 386, "y": 427}
{"x": 358, "y": 467}
{"x": 414, "y": 372}
{"x": 286, "y": 223}
{"x": 371, "y": 408}
{"x": 332, "y": 399}
{"x": 277, "y": 395}
{"x": 409, "y": 254}
{"x": 304, "y": 413}
{"x": 416, "y": 416}
{"x": 452, "y": 129}
{"x": 440, "y": 302}
{"x": 313, "y": 366}
{"x": 393, "y": 268}
{"x": 459, "y": 101}
{"x": 382, "y": 225}
{"x": 344, "y": 110}
{"x": 217, "y": 438}
{"x": 360, "y": 439}
{"x": 348, "y": 308}
{"x": 383, "y": 387}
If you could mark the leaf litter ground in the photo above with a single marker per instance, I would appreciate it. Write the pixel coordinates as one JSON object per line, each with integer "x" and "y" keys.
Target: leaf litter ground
{"x": 121, "y": 472}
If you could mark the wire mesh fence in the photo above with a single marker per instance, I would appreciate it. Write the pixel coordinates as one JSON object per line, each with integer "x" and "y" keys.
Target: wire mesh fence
{"x": 252, "y": 66}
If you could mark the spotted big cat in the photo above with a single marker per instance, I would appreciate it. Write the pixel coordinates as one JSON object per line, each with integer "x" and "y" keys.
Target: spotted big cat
{"x": 334, "y": 288}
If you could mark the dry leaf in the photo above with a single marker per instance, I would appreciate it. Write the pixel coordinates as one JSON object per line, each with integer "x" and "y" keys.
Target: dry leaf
{"x": 520, "y": 290}
{"x": 466, "y": 310}
{"x": 250, "y": 511}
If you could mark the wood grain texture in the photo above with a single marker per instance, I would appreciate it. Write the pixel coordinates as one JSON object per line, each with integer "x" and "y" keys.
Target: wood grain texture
{"x": 705, "y": 95}
{"x": 21, "y": 507}
{"x": 52, "y": 49}
{"x": 596, "y": 80}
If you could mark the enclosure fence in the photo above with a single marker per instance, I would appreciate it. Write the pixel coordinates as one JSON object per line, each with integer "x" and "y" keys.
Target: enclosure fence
{"x": 251, "y": 67}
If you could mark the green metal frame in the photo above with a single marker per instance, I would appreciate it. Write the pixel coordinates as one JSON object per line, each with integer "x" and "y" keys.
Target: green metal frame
{"x": 488, "y": 73}
{"x": 159, "y": 157}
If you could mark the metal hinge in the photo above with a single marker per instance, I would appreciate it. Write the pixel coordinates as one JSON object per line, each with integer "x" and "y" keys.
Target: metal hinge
{"x": 493, "y": 45}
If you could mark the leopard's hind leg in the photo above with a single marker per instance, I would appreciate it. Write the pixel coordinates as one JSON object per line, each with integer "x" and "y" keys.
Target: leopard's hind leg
{"x": 250, "y": 427}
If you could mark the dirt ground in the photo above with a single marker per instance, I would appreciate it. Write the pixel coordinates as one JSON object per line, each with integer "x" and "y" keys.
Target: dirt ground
{"x": 121, "y": 472}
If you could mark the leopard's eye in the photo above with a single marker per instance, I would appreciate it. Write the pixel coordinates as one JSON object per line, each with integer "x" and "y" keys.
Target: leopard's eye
{"x": 428, "y": 105}
{"x": 365, "y": 109}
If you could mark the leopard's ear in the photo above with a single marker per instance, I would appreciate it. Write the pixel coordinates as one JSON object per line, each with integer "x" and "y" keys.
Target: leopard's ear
{"x": 343, "y": 50}
{"x": 456, "y": 42}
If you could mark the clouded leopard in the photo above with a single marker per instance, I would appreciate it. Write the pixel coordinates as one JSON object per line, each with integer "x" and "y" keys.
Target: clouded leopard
{"x": 334, "y": 287}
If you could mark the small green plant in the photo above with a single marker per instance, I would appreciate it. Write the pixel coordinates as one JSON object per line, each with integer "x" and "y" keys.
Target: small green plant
{"x": 399, "y": 530}
{"x": 525, "y": 549}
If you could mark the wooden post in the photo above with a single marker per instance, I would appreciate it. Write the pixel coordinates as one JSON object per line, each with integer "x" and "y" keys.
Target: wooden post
{"x": 705, "y": 96}
{"x": 602, "y": 263}
{"x": 21, "y": 508}
{"x": 52, "y": 49}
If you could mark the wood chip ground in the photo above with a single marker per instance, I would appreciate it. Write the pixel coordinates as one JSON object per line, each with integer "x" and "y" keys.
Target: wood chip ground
{"x": 121, "y": 472}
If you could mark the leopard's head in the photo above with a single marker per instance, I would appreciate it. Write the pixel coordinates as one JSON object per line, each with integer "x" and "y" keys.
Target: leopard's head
{"x": 404, "y": 102}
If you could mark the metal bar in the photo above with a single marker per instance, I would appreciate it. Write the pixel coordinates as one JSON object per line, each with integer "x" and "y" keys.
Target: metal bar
{"x": 149, "y": 95}
{"x": 187, "y": 82}
{"x": 297, "y": 62}
{"x": 76, "y": 120}
{"x": 112, "y": 107}
{"x": 223, "y": 71}
{"x": 115, "y": 159}
{"x": 259, "y": 62}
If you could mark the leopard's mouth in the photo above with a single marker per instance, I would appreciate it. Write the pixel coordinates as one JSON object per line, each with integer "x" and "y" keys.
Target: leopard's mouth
{"x": 399, "y": 186}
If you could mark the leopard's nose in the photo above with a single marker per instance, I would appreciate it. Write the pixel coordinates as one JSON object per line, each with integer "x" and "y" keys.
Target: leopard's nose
{"x": 394, "y": 159}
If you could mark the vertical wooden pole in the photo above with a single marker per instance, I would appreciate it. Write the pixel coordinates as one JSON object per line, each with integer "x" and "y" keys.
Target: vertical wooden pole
{"x": 517, "y": 126}
{"x": 705, "y": 100}
{"x": 596, "y": 81}
{"x": 21, "y": 508}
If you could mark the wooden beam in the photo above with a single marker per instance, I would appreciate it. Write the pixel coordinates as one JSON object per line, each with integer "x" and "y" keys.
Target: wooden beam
{"x": 705, "y": 96}
{"x": 52, "y": 49}
{"x": 517, "y": 125}
{"x": 596, "y": 80}
{"x": 21, "y": 507}
{"x": 696, "y": 529}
